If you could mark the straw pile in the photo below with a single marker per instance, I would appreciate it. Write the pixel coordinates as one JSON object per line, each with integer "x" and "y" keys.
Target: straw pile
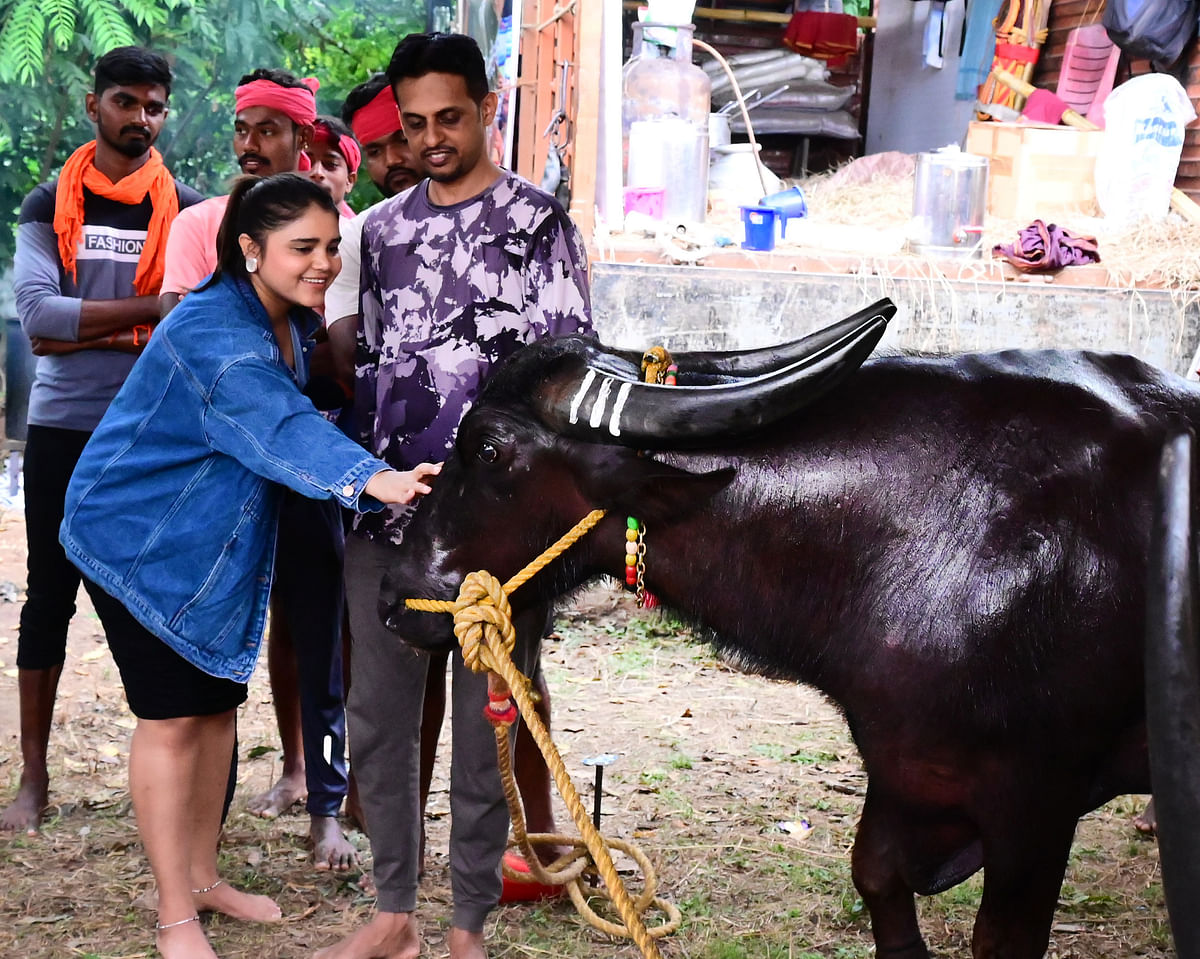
{"x": 1160, "y": 254}
{"x": 862, "y": 210}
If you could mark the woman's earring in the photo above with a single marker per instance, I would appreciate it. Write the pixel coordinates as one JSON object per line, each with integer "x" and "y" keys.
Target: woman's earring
{"x": 251, "y": 264}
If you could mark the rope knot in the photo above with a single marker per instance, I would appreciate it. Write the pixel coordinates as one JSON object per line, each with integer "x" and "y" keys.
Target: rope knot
{"x": 483, "y": 621}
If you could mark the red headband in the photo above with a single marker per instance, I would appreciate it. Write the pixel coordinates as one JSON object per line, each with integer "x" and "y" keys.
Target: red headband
{"x": 346, "y": 146}
{"x": 297, "y": 103}
{"x": 377, "y": 119}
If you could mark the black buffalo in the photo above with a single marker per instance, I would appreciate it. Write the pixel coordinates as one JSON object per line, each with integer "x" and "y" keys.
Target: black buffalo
{"x": 954, "y": 549}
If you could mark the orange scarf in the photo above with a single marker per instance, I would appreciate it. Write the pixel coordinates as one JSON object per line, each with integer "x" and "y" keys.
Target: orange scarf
{"x": 151, "y": 178}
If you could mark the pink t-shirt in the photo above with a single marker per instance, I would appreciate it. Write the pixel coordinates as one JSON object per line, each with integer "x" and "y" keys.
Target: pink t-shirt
{"x": 191, "y": 253}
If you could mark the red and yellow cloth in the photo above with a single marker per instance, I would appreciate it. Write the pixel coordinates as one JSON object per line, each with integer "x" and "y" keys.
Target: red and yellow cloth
{"x": 823, "y": 36}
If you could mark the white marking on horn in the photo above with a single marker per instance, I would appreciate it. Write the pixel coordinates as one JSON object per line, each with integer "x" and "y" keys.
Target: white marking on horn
{"x": 601, "y": 402}
{"x": 580, "y": 394}
{"x": 614, "y": 424}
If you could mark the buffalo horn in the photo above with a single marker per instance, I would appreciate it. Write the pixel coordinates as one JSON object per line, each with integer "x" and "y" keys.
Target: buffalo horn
{"x": 592, "y": 404}
{"x": 748, "y": 363}
{"x": 1173, "y": 693}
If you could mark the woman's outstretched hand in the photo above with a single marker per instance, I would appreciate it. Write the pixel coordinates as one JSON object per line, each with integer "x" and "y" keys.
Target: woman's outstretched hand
{"x": 396, "y": 486}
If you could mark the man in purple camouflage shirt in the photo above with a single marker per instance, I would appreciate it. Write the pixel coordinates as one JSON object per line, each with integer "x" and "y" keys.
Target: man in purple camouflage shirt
{"x": 457, "y": 273}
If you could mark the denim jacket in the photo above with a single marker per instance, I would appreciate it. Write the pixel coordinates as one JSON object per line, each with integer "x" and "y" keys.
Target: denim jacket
{"x": 173, "y": 506}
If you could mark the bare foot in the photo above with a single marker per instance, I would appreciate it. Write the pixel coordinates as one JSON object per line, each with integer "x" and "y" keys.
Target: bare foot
{"x": 389, "y": 935}
{"x": 289, "y": 790}
{"x": 465, "y": 945}
{"x": 25, "y": 811}
{"x": 331, "y": 849}
{"x": 219, "y": 896}
{"x": 1147, "y": 822}
{"x": 366, "y": 882}
{"x": 185, "y": 941}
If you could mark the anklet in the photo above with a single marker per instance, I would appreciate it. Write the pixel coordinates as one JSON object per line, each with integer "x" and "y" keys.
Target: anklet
{"x": 160, "y": 926}
{"x": 201, "y": 892}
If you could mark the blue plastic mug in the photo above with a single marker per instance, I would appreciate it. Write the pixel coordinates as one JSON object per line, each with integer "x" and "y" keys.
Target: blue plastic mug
{"x": 788, "y": 204}
{"x": 759, "y": 222}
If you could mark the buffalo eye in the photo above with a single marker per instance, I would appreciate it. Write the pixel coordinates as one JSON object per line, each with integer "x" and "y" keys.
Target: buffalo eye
{"x": 488, "y": 452}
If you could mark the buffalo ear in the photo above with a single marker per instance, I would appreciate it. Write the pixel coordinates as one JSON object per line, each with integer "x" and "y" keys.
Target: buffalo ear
{"x": 657, "y": 492}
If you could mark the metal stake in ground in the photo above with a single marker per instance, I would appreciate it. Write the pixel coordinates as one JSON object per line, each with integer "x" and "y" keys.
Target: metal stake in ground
{"x": 604, "y": 759}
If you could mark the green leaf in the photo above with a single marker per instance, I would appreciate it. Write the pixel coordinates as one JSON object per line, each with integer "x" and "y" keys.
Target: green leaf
{"x": 107, "y": 25}
{"x": 22, "y": 42}
{"x": 257, "y": 751}
{"x": 61, "y": 16}
{"x": 149, "y": 13}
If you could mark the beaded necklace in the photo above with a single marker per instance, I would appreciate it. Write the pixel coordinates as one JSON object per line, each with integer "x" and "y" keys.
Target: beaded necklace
{"x": 658, "y": 368}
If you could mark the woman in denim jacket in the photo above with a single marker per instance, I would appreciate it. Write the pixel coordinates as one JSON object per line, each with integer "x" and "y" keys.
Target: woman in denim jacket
{"x": 171, "y": 516}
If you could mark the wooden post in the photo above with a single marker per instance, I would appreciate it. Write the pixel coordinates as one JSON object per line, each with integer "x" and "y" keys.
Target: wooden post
{"x": 531, "y": 16}
{"x": 586, "y": 123}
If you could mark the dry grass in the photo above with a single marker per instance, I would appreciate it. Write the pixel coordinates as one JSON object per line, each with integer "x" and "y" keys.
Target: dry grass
{"x": 1164, "y": 253}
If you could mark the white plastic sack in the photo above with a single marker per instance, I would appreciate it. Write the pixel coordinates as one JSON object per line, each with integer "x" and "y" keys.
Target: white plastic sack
{"x": 1143, "y": 139}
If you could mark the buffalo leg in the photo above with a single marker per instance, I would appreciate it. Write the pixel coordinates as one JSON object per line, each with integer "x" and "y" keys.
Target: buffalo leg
{"x": 1173, "y": 691}
{"x": 878, "y": 878}
{"x": 1023, "y": 866}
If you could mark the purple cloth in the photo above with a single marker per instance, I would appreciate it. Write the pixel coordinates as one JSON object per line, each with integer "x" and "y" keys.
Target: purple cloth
{"x": 1041, "y": 248}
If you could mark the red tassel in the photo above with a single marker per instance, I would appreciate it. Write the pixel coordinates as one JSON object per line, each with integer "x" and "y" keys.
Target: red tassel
{"x": 496, "y": 716}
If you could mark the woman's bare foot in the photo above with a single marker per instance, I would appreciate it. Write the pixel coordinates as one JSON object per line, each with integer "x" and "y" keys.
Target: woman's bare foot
{"x": 331, "y": 849}
{"x": 1147, "y": 822}
{"x": 287, "y": 791}
{"x": 389, "y": 935}
{"x": 465, "y": 945}
{"x": 184, "y": 941}
{"x": 24, "y": 813}
{"x": 221, "y": 897}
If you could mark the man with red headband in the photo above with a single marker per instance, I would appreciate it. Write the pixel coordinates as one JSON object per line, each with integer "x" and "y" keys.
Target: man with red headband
{"x": 273, "y": 126}
{"x": 88, "y": 264}
{"x": 334, "y": 159}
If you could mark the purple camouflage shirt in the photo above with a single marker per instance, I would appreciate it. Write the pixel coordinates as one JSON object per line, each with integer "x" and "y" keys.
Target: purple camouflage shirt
{"x": 449, "y": 291}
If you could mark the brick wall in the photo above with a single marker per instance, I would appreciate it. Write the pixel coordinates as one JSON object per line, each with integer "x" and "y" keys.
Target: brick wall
{"x": 1065, "y": 15}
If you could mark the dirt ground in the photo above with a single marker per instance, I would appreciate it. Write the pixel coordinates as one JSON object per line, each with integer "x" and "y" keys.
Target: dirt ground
{"x": 744, "y": 793}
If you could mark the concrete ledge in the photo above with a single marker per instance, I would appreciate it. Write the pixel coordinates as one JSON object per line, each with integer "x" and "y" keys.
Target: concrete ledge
{"x": 688, "y": 307}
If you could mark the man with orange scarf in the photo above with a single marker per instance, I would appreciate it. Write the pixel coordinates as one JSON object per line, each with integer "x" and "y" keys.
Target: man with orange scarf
{"x": 89, "y": 262}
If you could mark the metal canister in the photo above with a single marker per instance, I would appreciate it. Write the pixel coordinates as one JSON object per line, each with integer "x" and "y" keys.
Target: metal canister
{"x": 949, "y": 201}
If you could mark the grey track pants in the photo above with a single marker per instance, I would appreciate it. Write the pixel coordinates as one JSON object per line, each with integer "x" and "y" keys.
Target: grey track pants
{"x": 384, "y": 716}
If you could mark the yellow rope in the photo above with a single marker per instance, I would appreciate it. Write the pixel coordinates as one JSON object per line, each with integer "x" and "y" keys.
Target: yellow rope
{"x": 483, "y": 626}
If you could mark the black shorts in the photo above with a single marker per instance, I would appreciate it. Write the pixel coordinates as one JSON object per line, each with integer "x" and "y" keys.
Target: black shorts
{"x": 159, "y": 683}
